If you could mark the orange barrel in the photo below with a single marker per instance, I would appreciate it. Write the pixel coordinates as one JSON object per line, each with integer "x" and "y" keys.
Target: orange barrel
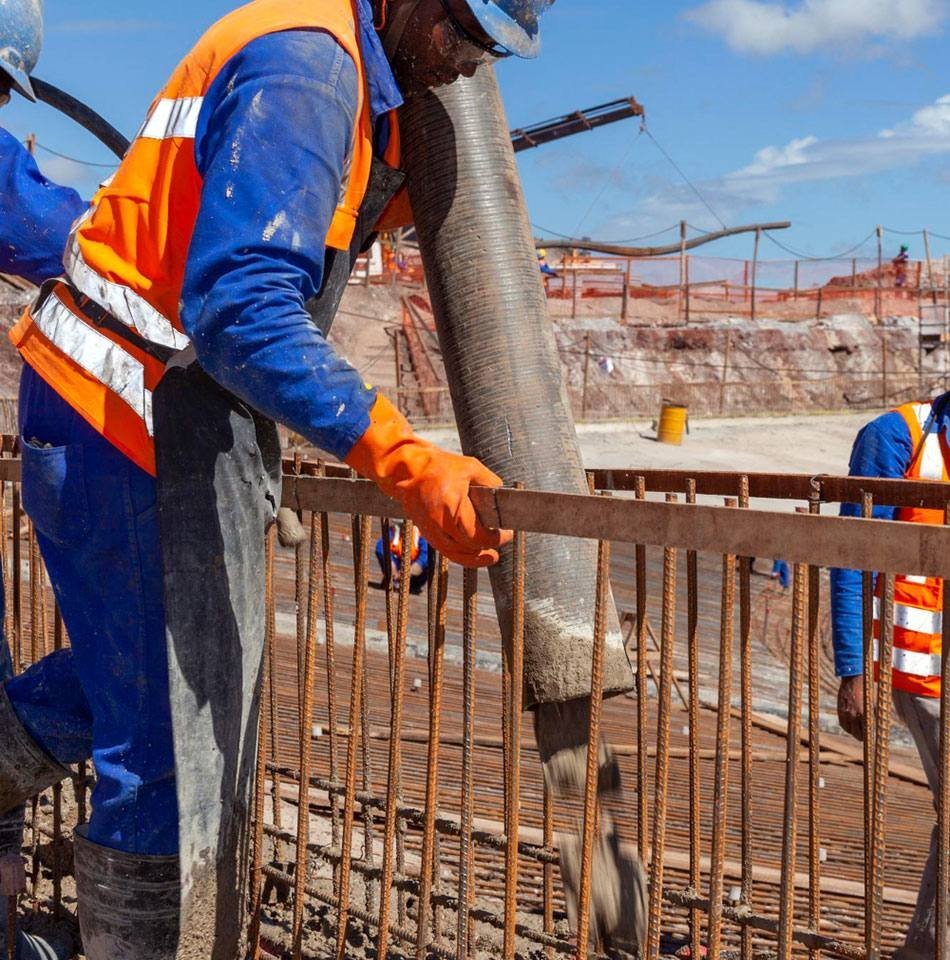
{"x": 673, "y": 420}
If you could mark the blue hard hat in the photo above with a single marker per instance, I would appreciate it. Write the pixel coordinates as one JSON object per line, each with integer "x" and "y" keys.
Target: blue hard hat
{"x": 21, "y": 39}
{"x": 512, "y": 24}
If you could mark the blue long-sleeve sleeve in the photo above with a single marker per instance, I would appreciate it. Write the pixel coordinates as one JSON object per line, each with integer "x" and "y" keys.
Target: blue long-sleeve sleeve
{"x": 35, "y": 215}
{"x": 272, "y": 147}
{"x": 883, "y": 448}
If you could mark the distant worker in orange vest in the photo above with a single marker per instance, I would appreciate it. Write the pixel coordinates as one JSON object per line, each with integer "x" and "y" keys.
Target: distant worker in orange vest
{"x": 193, "y": 311}
{"x": 909, "y": 442}
{"x": 416, "y": 561}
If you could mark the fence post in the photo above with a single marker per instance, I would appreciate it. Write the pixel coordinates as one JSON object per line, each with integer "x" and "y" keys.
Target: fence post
{"x": 586, "y": 369}
{"x": 879, "y": 298}
{"x": 745, "y": 281}
{"x": 574, "y": 290}
{"x": 796, "y": 280}
{"x": 854, "y": 273}
{"x": 684, "y": 309}
{"x": 625, "y": 302}
{"x": 755, "y": 267}
{"x": 687, "y": 288}
{"x": 930, "y": 265}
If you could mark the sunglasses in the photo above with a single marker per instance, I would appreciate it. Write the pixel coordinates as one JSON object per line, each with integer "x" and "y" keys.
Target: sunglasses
{"x": 493, "y": 50}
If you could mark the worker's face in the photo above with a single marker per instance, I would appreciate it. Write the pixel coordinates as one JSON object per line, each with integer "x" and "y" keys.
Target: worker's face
{"x": 438, "y": 45}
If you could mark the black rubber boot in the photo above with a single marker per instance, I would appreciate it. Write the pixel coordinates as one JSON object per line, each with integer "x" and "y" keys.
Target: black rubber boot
{"x": 26, "y": 769}
{"x": 129, "y": 904}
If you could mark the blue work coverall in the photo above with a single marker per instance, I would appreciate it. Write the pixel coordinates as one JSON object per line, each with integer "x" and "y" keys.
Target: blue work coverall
{"x": 248, "y": 276}
{"x": 35, "y": 216}
{"x": 883, "y": 448}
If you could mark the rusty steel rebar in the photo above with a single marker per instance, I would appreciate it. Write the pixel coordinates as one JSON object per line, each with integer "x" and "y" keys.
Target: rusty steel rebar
{"x": 721, "y": 775}
{"x": 868, "y": 697}
{"x": 943, "y": 799}
{"x": 640, "y": 553}
{"x": 695, "y": 787}
{"x": 392, "y": 774}
{"x": 745, "y": 682}
{"x": 661, "y": 799}
{"x": 793, "y": 740}
{"x": 436, "y": 672}
{"x": 326, "y": 578}
{"x": 814, "y": 741}
{"x": 882, "y": 741}
{"x": 469, "y": 630}
{"x": 306, "y": 695}
{"x": 593, "y": 749}
{"x": 513, "y": 767}
{"x": 361, "y": 529}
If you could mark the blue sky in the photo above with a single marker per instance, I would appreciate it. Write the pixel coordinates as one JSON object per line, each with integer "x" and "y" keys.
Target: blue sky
{"x": 834, "y": 114}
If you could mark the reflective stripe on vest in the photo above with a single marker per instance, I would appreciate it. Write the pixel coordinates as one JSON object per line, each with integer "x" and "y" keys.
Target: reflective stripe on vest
{"x": 918, "y": 601}
{"x": 908, "y": 617}
{"x": 129, "y": 253}
{"x": 97, "y": 355}
{"x": 912, "y": 662}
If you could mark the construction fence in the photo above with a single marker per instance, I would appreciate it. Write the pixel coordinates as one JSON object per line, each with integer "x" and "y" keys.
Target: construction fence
{"x": 400, "y": 807}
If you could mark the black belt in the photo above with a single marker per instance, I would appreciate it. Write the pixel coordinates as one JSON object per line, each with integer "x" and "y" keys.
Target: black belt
{"x": 101, "y": 317}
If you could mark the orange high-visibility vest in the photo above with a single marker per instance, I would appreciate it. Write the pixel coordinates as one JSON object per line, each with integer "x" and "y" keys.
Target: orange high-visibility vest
{"x": 129, "y": 252}
{"x": 395, "y": 544}
{"x": 918, "y": 601}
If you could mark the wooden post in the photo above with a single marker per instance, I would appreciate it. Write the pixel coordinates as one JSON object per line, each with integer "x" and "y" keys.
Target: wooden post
{"x": 854, "y": 273}
{"x": 745, "y": 281}
{"x": 625, "y": 303}
{"x": 725, "y": 370}
{"x": 879, "y": 298}
{"x": 818, "y": 306}
{"x": 586, "y": 369}
{"x": 755, "y": 267}
{"x": 683, "y": 309}
{"x": 796, "y": 280}
{"x": 687, "y": 288}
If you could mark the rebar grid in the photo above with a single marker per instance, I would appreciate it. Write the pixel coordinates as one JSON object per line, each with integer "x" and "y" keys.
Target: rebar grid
{"x": 468, "y": 856}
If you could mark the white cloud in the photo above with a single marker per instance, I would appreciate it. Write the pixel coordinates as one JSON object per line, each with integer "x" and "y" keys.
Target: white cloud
{"x": 759, "y": 27}
{"x": 808, "y": 159}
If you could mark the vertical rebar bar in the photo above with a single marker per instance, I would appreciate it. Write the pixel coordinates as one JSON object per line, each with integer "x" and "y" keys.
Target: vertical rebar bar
{"x": 793, "y": 749}
{"x": 469, "y": 628}
{"x": 513, "y": 766}
{"x": 16, "y": 640}
{"x": 660, "y": 798}
{"x": 361, "y": 531}
{"x": 640, "y": 553}
{"x": 745, "y": 680}
{"x": 814, "y": 740}
{"x": 721, "y": 776}
{"x": 326, "y": 576}
{"x": 547, "y": 869}
{"x": 593, "y": 748}
{"x": 257, "y": 837}
{"x": 436, "y": 663}
{"x": 306, "y": 695}
{"x": 943, "y": 801}
{"x": 695, "y": 790}
{"x": 868, "y": 696}
{"x": 395, "y": 756}
{"x": 882, "y": 741}
{"x": 270, "y": 604}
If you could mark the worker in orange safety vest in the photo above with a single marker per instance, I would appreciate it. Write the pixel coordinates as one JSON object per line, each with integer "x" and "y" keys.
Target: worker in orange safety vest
{"x": 909, "y": 442}
{"x": 155, "y": 369}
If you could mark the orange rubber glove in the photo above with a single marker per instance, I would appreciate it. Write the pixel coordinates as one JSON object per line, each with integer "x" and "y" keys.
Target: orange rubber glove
{"x": 432, "y": 484}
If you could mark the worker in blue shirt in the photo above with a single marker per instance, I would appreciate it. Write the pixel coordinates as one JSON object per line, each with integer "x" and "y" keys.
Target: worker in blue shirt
{"x": 194, "y": 274}
{"x": 35, "y": 217}
{"x": 909, "y": 442}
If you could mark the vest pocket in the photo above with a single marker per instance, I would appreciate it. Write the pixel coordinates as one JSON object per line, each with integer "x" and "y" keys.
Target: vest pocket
{"x": 54, "y": 491}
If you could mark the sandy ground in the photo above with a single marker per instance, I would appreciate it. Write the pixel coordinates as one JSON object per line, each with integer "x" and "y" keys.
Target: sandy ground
{"x": 813, "y": 443}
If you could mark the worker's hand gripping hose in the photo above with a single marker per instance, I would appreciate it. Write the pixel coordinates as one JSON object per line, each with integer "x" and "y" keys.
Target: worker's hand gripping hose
{"x": 513, "y": 415}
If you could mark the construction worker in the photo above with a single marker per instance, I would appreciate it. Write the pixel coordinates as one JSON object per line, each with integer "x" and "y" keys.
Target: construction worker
{"x": 907, "y": 442}
{"x": 416, "y": 560}
{"x": 154, "y": 372}
{"x": 35, "y": 217}
{"x": 899, "y": 263}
